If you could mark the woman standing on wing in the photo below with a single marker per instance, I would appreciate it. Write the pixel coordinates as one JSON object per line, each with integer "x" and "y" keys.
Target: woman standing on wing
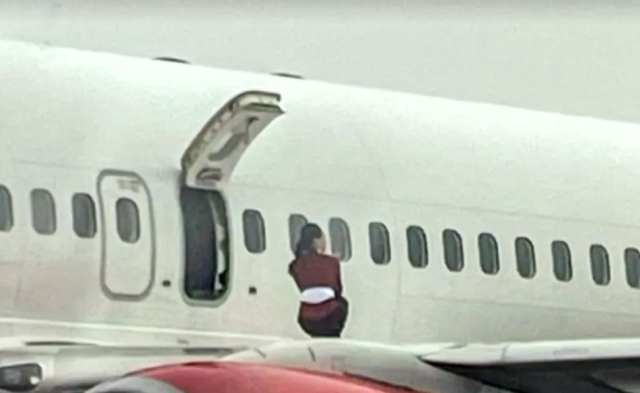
{"x": 323, "y": 311}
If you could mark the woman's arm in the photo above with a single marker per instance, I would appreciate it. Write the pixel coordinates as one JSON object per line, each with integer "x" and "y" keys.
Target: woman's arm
{"x": 338, "y": 287}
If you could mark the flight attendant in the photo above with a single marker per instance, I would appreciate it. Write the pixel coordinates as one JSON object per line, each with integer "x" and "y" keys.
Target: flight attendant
{"x": 323, "y": 310}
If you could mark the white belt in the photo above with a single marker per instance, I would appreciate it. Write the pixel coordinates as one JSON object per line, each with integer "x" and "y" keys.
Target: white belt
{"x": 317, "y": 295}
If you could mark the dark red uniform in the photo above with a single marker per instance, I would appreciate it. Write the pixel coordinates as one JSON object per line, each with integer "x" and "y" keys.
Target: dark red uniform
{"x": 324, "y": 319}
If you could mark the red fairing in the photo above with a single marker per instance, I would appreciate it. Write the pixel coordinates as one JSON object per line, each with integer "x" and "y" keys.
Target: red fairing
{"x": 232, "y": 377}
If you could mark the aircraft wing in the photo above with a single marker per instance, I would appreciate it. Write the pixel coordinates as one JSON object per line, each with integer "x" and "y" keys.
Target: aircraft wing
{"x": 587, "y": 366}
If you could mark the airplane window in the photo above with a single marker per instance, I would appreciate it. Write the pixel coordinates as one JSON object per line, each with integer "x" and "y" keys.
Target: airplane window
{"x": 632, "y": 264}
{"x": 525, "y": 257}
{"x": 600, "y": 265}
{"x": 561, "y": 260}
{"x": 254, "y": 233}
{"x": 488, "y": 247}
{"x": 453, "y": 253}
{"x": 128, "y": 220}
{"x": 296, "y": 222}
{"x": 417, "y": 247}
{"x": 340, "y": 238}
{"x": 43, "y": 211}
{"x": 84, "y": 215}
{"x": 379, "y": 243}
{"x": 6, "y": 210}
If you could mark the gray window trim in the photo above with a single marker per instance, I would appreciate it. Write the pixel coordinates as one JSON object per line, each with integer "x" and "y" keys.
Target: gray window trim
{"x": 606, "y": 265}
{"x": 48, "y": 208}
{"x": 489, "y": 253}
{"x": 247, "y": 215}
{"x": 525, "y": 248}
{"x": 6, "y": 209}
{"x": 384, "y": 232}
{"x": 338, "y": 226}
{"x": 415, "y": 233}
{"x": 562, "y": 263}
{"x": 453, "y": 247}
{"x": 128, "y": 233}
{"x": 296, "y": 223}
{"x": 83, "y": 200}
{"x": 632, "y": 267}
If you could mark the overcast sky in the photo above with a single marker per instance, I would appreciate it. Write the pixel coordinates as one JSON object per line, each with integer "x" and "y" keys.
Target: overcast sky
{"x": 581, "y": 58}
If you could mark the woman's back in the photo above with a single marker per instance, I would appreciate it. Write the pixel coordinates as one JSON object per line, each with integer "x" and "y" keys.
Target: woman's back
{"x": 316, "y": 270}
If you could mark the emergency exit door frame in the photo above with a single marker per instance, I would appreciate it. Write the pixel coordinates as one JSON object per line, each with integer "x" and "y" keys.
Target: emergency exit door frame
{"x": 104, "y": 227}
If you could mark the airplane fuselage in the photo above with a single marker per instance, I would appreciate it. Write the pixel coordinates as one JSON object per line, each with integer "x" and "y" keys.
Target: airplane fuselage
{"x": 455, "y": 217}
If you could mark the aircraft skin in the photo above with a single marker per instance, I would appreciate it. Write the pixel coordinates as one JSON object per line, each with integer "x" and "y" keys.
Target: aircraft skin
{"x": 113, "y": 127}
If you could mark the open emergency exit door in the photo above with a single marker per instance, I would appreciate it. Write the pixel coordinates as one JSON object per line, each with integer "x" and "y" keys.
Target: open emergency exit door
{"x": 209, "y": 161}
{"x": 212, "y": 155}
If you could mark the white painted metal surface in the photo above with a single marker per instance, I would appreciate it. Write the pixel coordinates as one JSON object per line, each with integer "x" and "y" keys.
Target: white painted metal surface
{"x": 360, "y": 154}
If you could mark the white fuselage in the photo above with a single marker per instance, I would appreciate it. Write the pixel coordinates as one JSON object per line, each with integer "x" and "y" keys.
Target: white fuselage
{"x": 112, "y": 127}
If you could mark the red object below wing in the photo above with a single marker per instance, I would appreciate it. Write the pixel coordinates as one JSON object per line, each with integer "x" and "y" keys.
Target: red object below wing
{"x": 234, "y": 377}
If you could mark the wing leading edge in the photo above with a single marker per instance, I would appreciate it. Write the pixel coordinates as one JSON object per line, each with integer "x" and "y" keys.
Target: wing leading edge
{"x": 587, "y": 366}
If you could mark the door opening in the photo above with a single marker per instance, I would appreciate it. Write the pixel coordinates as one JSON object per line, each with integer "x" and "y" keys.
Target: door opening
{"x": 206, "y": 274}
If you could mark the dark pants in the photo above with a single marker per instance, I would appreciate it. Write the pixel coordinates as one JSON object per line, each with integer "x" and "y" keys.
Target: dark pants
{"x": 325, "y": 319}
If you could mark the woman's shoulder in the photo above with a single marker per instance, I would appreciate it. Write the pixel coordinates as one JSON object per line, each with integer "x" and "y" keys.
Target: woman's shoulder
{"x": 314, "y": 257}
{"x": 292, "y": 265}
{"x": 330, "y": 257}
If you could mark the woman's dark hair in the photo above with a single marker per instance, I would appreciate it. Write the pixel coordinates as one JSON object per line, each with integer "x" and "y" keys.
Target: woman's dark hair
{"x": 308, "y": 234}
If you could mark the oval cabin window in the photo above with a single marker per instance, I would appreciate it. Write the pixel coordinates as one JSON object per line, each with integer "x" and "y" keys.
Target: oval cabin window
{"x": 561, "y": 260}
{"x": 632, "y": 267}
{"x": 254, "y": 233}
{"x": 128, "y": 220}
{"x": 6, "y": 210}
{"x": 525, "y": 258}
{"x": 296, "y": 222}
{"x": 340, "y": 238}
{"x": 379, "y": 243}
{"x": 84, "y": 216}
{"x": 488, "y": 248}
{"x": 453, "y": 252}
{"x": 600, "y": 271}
{"x": 417, "y": 247}
{"x": 43, "y": 212}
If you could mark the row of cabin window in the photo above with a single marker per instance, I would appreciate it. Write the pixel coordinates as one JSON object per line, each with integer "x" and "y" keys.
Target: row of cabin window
{"x": 255, "y": 238}
{"x": 417, "y": 249}
{"x": 44, "y": 219}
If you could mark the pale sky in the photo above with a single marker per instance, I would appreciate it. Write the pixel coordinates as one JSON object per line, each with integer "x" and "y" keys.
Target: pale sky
{"x": 582, "y": 58}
